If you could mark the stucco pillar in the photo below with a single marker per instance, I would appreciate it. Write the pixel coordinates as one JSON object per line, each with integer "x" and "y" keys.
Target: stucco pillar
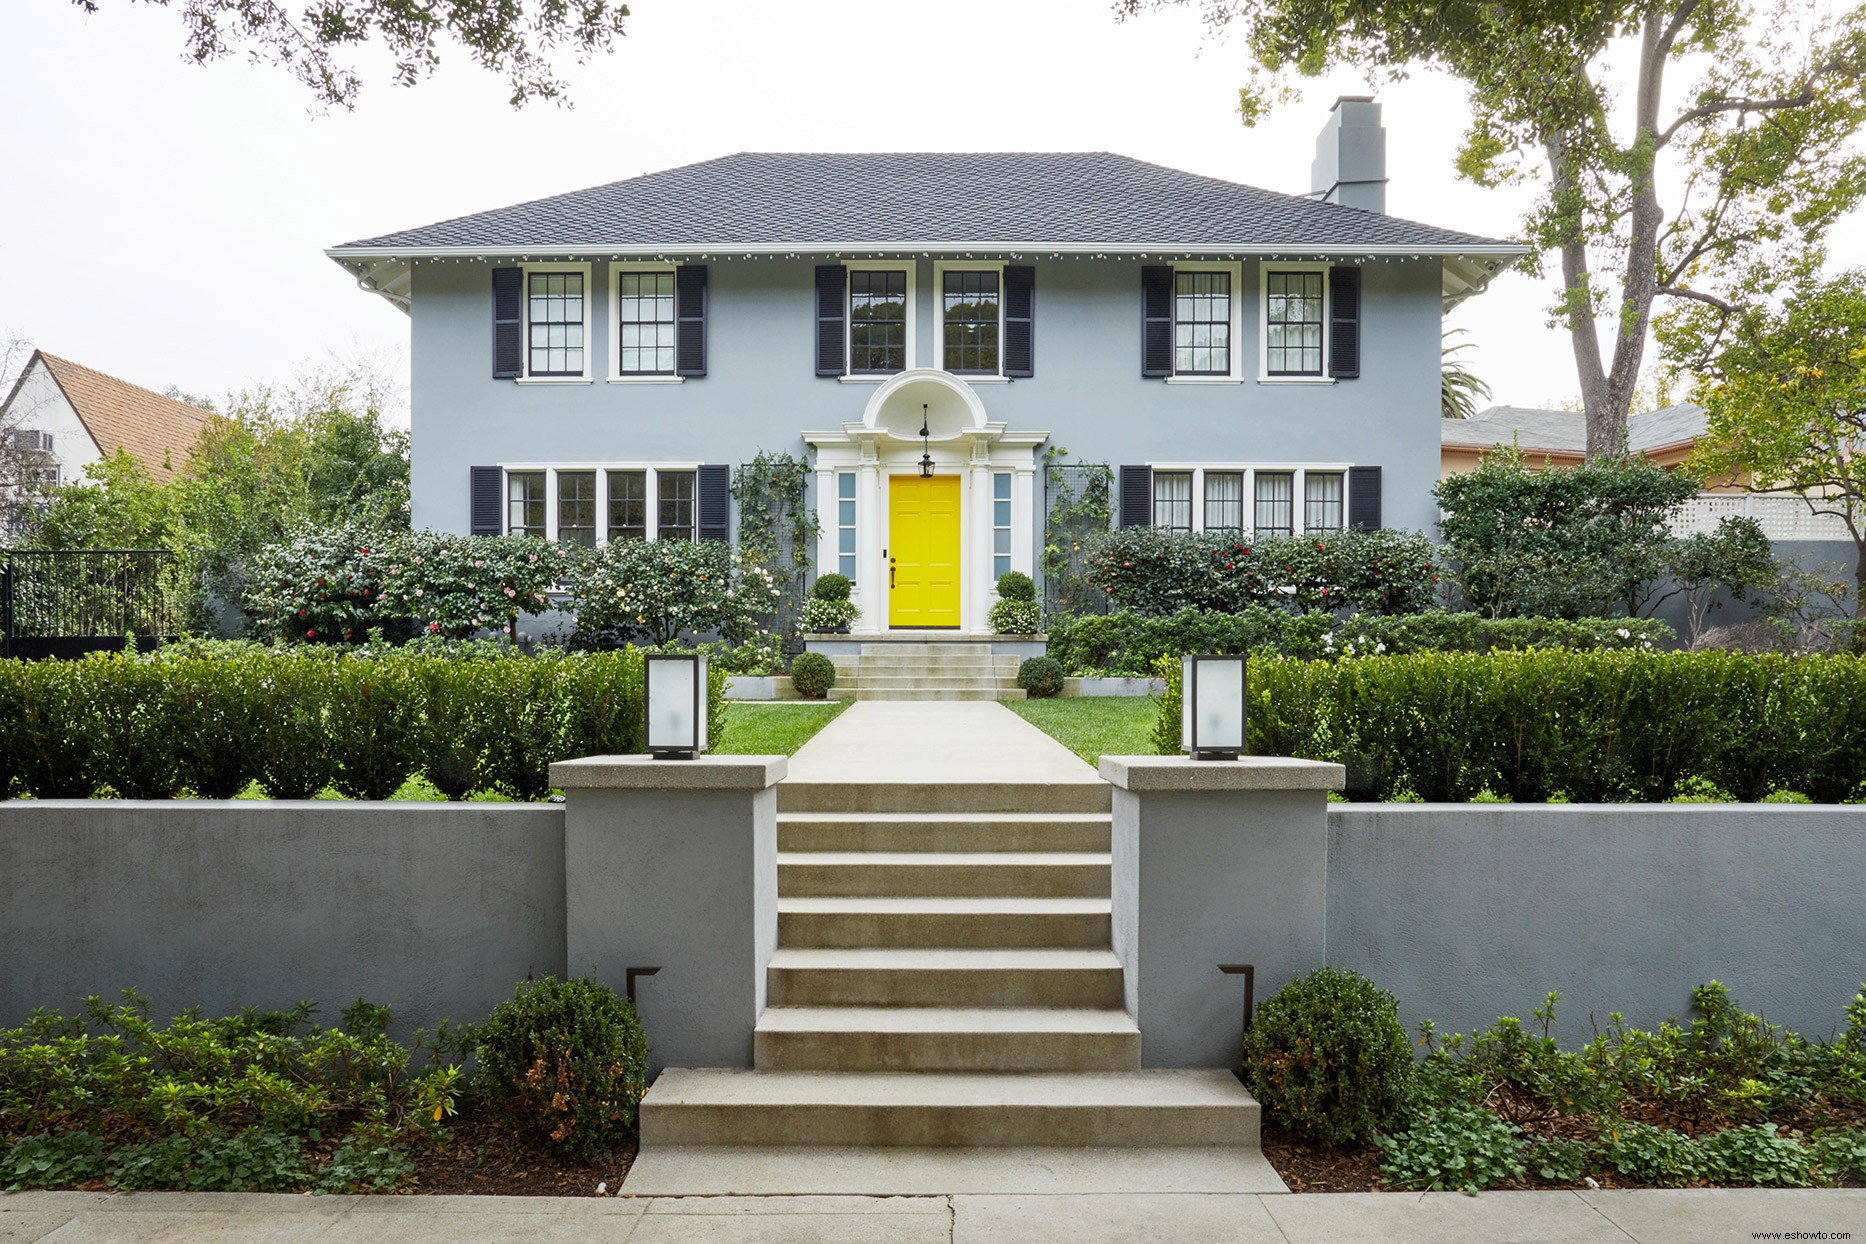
{"x": 672, "y": 864}
{"x": 871, "y": 568}
{"x": 1215, "y": 861}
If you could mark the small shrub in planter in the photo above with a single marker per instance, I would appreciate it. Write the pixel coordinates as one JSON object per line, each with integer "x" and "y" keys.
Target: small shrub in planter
{"x": 1327, "y": 1057}
{"x": 1042, "y": 677}
{"x": 566, "y": 1062}
{"x": 813, "y": 674}
{"x": 822, "y": 615}
{"x": 1016, "y": 617}
{"x": 830, "y": 587}
{"x": 1016, "y": 585}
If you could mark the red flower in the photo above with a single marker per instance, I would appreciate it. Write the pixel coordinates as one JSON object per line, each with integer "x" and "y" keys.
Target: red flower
{"x": 301, "y": 613}
{"x": 310, "y": 634}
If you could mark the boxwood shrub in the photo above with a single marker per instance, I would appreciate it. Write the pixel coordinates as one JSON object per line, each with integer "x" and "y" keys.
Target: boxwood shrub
{"x": 216, "y": 718}
{"x": 1597, "y": 727}
{"x": 1328, "y": 1058}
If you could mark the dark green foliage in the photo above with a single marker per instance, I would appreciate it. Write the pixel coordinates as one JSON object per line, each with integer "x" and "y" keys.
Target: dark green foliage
{"x": 1565, "y": 543}
{"x": 813, "y": 674}
{"x": 1016, "y": 585}
{"x": 1128, "y": 643}
{"x": 830, "y": 587}
{"x": 566, "y": 1063}
{"x": 1455, "y": 1147}
{"x": 1599, "y": 727}
{"x": 213, "y": 718}
{"x": 1152, "y": 571}
{"x": 1557, "y": 1160}
{"x": 239, "y": 1103}
{"x": 1040, "y": 676}
{"x": 1015, "y": 617}
{"x": 1327, "y": 1057}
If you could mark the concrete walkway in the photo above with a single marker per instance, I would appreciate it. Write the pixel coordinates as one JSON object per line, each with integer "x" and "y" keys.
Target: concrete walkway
{"x": 934, "y": 741}
{"x": 1658, "y": 1217}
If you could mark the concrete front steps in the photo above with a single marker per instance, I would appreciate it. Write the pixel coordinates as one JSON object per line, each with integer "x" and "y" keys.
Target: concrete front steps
{"x": 929, "y": 671}
{"x": 944, "y": 987}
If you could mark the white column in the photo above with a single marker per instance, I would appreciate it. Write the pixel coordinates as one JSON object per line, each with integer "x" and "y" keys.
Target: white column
{"x": 871, "y": 568}
{"x": 826, "y": 514}
{"x": 1026, "y": 529}
{"x": 978, "y": 546}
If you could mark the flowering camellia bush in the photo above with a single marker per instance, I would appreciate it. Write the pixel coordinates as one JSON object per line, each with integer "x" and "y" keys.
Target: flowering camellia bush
{"x": 663, "y": 590}
{"x": 320, "y": 586}
{"x": 1151, "y": 571}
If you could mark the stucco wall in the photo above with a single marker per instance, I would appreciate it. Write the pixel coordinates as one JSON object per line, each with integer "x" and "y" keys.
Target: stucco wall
{"x": 761, "y": 392}
{"x": 1467, "y": 912}
{"x": 436, "y": 910}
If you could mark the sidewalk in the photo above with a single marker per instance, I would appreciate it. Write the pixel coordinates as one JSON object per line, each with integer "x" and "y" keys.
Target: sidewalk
{"x": 1657, "y": 1217}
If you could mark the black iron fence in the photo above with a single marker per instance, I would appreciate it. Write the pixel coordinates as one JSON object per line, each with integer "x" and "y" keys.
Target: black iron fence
{"x": 1078, "y": 503}
{"x": 67, "y": 602}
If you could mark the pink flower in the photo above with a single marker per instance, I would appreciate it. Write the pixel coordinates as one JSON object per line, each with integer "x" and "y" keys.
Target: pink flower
{"x": 478, "y": 563}
{"x": 510, "y": 593}
{"x": 506, "y": 629}
{"x": 531, "y": 557}
{"x": 420, "y": 591}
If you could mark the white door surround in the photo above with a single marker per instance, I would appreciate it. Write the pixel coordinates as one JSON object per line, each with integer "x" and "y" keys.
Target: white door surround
{"x": 962, "y": 441}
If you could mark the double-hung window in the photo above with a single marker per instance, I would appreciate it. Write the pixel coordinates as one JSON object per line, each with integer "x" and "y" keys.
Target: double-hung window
{"x": 1224, "y": 500}
{"x": 1294, "y": 319}
{"x": 628, "y": 505}
{"x": 645, "y": 320}
{"x": 1276, "y": 503}
{"x": 1172, "y": 500}
{"x": 1321, "y": 501}
{"x": 877, "y": 321}
{"x": 674, "y": 519}
{"x": 1202, "y": 323}
{"x": 525, "y": 503}
{"x": 969, "y": 315}
{"x": 576, "y": 508}
{"x": 555, "y": 316}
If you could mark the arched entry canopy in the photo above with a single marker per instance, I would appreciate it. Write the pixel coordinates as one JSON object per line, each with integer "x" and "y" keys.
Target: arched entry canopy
{"x": 951, "y": 406}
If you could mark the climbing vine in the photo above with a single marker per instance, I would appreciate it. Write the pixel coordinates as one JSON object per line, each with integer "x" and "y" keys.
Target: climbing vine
{"x": 777, "y": 530}
{"x": 1079, "y": 503}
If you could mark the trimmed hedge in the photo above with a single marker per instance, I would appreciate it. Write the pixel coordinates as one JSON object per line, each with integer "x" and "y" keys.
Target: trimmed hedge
{"x": 1129, "y": 643}
{"x": 1598, "y": 727}
{"x": 1153, "y": 571}
{"x": 296, "y": 721}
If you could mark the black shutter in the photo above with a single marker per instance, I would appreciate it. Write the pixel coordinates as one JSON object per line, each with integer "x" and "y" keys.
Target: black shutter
{"x": 1020, "y": 294}
{"x": 715, "y": 484}
{"x": 1364, "y": 498}
{"x": 1156, "y": 320}
{"x": 690, "y": 319}
{"x": 1136, "y": 496}
{"x": 1344, "y": 323}
{"x": 483, "y": 500}
{"x": 832, "y": 283}
{"x": 508, "y": 309}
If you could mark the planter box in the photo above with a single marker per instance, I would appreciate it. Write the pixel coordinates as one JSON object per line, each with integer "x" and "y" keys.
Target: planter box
{"x": 761, "y": 687}
{"x": 1113, "y": 686}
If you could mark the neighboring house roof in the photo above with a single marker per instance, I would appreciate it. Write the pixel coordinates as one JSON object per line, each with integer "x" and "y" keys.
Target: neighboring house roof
{"x": 1063, "y": 202}
{"x": 158, "y": 431}
{"x": 1565, "y": 431}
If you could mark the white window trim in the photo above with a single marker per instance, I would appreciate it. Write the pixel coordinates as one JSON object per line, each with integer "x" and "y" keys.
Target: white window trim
{"x": 1236, "y": 373}
{"x": 602, "y": 469}
{"x": 615, "y": 373}
{"x": 940, "y": 268}
{"x": 1263, "y": 322}
{"x": 848, "y": 319}
{"x": 524, "y": 323}
{"x": 1249, "y": 471}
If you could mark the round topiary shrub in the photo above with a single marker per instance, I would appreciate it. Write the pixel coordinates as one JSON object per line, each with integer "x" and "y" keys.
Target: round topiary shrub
{"x": 1327, "y": 1057}
{"x": 566, "y": 1063}
{"x": 1042, "y": 677}
{"x": 812, "y": 674}
{"x": 830, "y": 587}
{"x": 1016, "y": 585}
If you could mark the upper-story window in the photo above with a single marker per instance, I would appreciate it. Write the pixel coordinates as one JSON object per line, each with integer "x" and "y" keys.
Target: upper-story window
{"x": 877, "y": 321}
{"x": 645, "y": 320}
{"x": 555, "y": 316}
{"x": 1202, "y": 323}
{"x": 969, "y": 306}
{"x": 1293, "y": 322}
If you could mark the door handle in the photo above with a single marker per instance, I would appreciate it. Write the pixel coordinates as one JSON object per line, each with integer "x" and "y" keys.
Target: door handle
{"x": 890, "y": 574}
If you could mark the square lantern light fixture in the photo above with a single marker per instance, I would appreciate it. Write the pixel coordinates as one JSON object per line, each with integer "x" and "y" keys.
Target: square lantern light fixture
{"x": 1211, "y": 706}
{"x": 676, "y": 705}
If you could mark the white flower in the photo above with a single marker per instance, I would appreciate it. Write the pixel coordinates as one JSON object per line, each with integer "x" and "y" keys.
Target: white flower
{"x": 1623, "y": 633}
{"x": 1381, "y": 646}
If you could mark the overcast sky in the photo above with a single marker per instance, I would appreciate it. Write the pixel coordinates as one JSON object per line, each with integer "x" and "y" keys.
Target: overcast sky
{"x": 165, "y": 222}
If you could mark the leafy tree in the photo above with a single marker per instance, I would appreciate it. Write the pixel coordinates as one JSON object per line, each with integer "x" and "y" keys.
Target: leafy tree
{"x": 1596, "y": 102}
{"x": 1785, "y": 402}
{"x": 1736, "y": 558}
{"x": 512, "y": 37}
{"x": 1460, "y": 389}
{"x": 118, "y": 506}
{"x": 1559, "y": 543}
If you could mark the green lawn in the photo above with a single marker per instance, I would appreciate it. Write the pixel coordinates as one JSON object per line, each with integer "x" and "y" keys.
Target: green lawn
{"x": 1094, "y": 726}
{"x": 776, "y": 728}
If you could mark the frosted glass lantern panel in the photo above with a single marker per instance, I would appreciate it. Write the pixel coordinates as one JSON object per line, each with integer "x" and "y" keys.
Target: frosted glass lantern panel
{"x": 676, "y": 715}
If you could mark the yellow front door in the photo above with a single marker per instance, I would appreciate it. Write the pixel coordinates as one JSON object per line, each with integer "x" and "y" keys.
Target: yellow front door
{"x": 923, "y": 551}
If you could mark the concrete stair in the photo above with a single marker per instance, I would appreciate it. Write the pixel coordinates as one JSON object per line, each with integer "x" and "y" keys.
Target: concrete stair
{"x": 929, "y": 671}
{"x": 944, "y": 980}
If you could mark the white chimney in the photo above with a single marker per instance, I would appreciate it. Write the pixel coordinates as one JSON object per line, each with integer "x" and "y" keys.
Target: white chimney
{"x": 1351, "y": 156}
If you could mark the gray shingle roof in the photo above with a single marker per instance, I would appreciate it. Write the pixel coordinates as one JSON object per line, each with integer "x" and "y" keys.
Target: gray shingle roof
{"x": 1565, "y": 431}
{"x": 852, "y": 200}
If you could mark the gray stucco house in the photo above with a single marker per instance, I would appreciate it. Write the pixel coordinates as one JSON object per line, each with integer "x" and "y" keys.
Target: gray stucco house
{"x": 590, "y": 366}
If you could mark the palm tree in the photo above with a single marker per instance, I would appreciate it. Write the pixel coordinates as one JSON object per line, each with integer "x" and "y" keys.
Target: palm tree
{"x": 1459, "y": 389}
